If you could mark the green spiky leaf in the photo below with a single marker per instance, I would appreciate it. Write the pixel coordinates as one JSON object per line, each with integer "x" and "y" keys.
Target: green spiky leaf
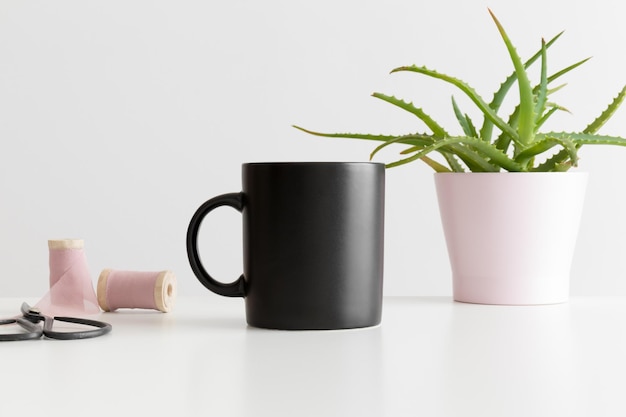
{"x": 542, "y": 93}
{"x": 464, "y": 121}
{"x": 594, "y": 126}
{"x": 436, "y": 166}
{"x": 546, "y": 144}
{"x": 527, "y": 111}
{"x": 429, "y": 121}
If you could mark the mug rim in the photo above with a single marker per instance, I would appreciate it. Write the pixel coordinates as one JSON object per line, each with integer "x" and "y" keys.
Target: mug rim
{"x": 310, "y": 163}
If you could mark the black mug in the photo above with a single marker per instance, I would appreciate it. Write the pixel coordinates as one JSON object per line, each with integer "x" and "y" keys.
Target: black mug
{"x": 313, "y": 237}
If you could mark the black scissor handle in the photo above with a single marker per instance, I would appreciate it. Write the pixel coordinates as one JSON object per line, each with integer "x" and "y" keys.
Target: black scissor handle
{"x": 33, "y": 331}
{"x": 101, "y": 328}
{"x": 33, "y": 315}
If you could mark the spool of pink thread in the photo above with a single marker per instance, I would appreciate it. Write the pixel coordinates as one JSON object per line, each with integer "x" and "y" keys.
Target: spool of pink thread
{"x": 136, "y": 289}
{"x": 71, "y": 289}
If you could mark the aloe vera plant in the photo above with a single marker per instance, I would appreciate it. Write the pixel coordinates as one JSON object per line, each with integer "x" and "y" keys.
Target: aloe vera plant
{"x": 517, "y": 145}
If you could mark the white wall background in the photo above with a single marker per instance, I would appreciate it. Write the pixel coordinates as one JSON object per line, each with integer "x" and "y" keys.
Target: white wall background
{"x": 118, "y": 118}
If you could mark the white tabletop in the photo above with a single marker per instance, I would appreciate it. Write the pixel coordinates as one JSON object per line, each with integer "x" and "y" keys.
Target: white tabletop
{"x": 430, "y": 357}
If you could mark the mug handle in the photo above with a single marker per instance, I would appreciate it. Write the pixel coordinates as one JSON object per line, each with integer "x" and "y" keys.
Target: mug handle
{"x": 234, "y": 289}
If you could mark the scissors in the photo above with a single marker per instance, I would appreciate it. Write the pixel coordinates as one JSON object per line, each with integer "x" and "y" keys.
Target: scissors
{"x": 32, "y": 317}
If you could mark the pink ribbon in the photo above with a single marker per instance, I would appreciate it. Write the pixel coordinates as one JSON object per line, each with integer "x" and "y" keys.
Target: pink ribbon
{"x": 71, "y": 289}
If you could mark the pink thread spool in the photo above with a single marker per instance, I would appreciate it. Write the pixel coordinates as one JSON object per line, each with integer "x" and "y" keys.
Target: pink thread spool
{"x": 71, "y": 289}
{"x": 133, "y": 289}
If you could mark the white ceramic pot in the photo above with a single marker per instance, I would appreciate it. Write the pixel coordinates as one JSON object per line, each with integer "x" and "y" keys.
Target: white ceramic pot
{"x": 511, "y": 236}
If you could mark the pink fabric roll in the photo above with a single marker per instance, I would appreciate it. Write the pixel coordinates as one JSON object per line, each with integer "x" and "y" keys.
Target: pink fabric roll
{"x": 71, "y": 289}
